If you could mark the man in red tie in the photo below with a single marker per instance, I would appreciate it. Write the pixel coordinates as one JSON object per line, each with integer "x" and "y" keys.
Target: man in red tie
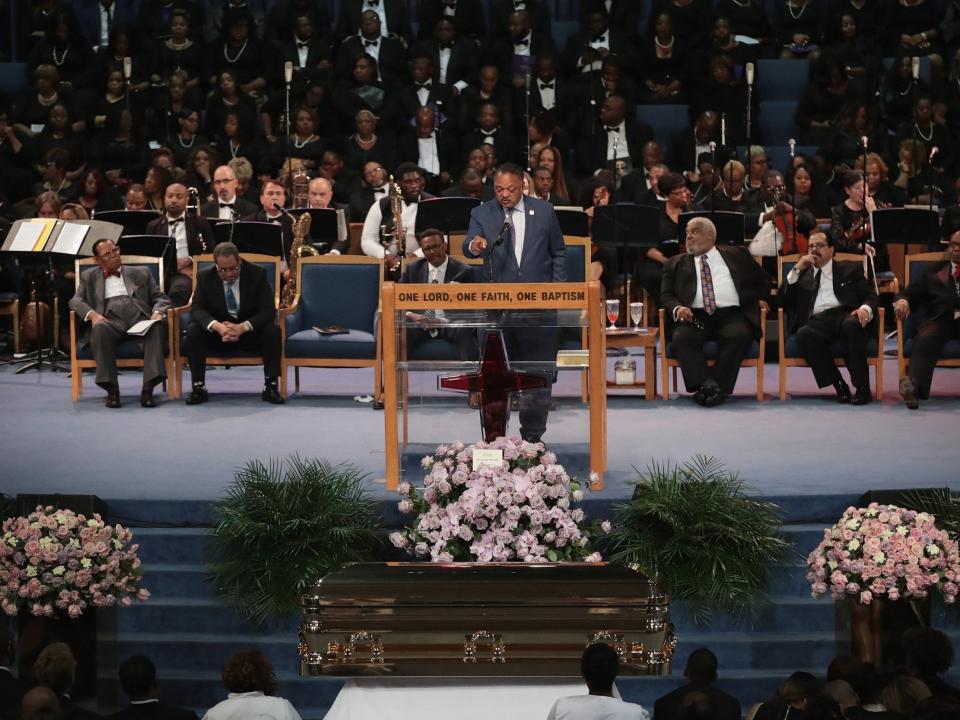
{"x": 113, "y": 298}
{"x": 712, "y": 293}
{"x": 937, "y": 293}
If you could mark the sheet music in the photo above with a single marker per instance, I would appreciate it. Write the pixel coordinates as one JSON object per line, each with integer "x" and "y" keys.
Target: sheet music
{"x": 70, "y": 239}
{"x": 140, "y": 329}
{"x": 27, "y": 237}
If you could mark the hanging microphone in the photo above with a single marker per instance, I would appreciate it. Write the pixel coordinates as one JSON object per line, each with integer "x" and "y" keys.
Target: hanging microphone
{"x": 127, "y": 68}
{"x": 933, "y": 151}
{"x": 712, "y": 146}
{"x": 865, "y": 142}
{"x": 526, "y": 80}
{"x": 503, "y": 231}
{"x": 288, "y": 72}
{"x": 793, "y": 147}
{"x": 750, "y": 72}
{"x": 915, "y": 68}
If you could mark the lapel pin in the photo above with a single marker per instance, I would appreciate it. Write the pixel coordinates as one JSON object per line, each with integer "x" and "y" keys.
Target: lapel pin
{"x": 530, "y": 212}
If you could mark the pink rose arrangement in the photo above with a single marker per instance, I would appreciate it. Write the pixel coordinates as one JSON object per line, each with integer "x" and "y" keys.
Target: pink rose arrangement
{"x": 57, "y": 562}
{"x": 884, "y": 551}
{"x": 521, "y": 510}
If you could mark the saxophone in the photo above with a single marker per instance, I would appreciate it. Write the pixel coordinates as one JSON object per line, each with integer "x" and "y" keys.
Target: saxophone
{"x": 298, "y": 249}
{"x": 397, "y": 237}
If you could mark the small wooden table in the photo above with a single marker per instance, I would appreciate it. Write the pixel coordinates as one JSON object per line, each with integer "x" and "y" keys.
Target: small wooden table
{"x": 645, "y": 337}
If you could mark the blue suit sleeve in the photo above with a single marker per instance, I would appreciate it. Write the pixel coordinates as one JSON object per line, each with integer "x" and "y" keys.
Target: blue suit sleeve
{"x": 558, "y": 250}
{"x": 473, "y": 229}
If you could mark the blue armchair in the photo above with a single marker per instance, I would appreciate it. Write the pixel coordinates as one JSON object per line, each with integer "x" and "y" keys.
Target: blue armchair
{"x": 342, "y": 291}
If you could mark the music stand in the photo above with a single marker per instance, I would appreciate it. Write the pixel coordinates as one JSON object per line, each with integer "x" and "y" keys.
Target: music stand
{"x": 626, "y": 227}
{"x": 134, "y": 222}
{"x": 447, "y": 214}
{"x": 249, "y": 236}
{"x": 730, "y": 225}
{"x": 573, "y": 221}
{"x": 327, "y": 226}
{"x": 903, "y": 226}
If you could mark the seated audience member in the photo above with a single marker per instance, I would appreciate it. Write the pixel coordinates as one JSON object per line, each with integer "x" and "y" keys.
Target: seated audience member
{"x": 699, "y": 675}
{"x": 902, "y": 695}
{"x": 471, "y": 185}
{"x": 136, "y": 198}
{"x": 113, "y": 298}
{"x": 806, "y": 191}
{"x": 11, "y": 689}
{"x": 615, "y": 137}
{"x": 138, "y": 678}
{"x": 883, "y": 192}
{"x": 869, "y": 685}
{"x": 373, "y": 189}
{"x": 675, "y": 203}
{"x": 250, "y": 683}
{"x": 233, "y": 308}
{"x": 432, "y": 148}
{"x": 41, "y": 703}
{"x": 411, "y": 180}
{"x": 936, "y": 294}
{"x": 712, "y": 292}
{"x": 191, "y": 235}
{"x": 599, "y": 666}
{"x": 790, "y": 700}
{"x": 55, "y": 668}
{"x": 830, "y": 301}
{"x": 437, "y": 266}
{"x": 733, "y": 196}
{"x": 320, "y": 197}
{"x": 929, "y": 651}
{"x": 227, "y": 205}
{"x": 543, "y": 186}
{"x": 843, "y": 694}
{"x": 773, "y": 224}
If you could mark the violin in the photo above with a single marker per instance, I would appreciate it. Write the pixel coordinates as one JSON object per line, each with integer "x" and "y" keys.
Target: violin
{"x": 785, "y": 223}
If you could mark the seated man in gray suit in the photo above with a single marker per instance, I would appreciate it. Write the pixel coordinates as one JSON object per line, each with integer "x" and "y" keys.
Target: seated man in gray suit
{"x": 520, "y": 239}
{"x": 113, "y": 298}
{"x": 438, "y": 267}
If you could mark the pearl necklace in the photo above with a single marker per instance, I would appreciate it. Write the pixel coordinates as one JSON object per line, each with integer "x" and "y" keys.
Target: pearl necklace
{"x": 183, "y": 145}
{"x": 63, "y": 57}
{"x": 925, "y": 138}
{"x": 296, "y": 140}
{"x": 790, "y": 7}
{"x": 234, "y": 149}
{"x": 232, "y": 60}
{"x": 178, "y": 45}
{"x": 663, "y": 46}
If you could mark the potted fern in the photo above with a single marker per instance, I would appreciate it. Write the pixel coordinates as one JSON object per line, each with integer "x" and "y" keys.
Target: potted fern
{"x": 693, "y": 529}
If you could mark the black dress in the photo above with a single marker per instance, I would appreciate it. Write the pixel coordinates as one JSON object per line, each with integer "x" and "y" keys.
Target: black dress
{"x": 649, "y": 271}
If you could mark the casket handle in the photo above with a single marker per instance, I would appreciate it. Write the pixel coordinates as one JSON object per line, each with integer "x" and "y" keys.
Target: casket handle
{"x": 497, "y": 646}
{"x": 363, "y": 640}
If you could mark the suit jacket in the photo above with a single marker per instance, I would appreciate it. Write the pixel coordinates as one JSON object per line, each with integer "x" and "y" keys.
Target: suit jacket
{"x": 624, "y": 14}
{"x": 456, "y": 190}
{"x": 440, "y": 96}
{"x": 154, "y": 711}
{"x": 462, "y": 65}
{"x": 318, "y": 50}
{"x": 11, "y": 693}
{"x": 360, "y": 203}
{"x": 419, "y": 272}
{"x": 682, "y": 156}
{"x": 87, "y": 14}
{"x": 391, "y": 59}
{"x": 447, "y": 151}
{"x": 618, "y": 43}
{"x": 256, "y": 298}
{"x": 934, "y": 292}
{"x": 243, "y": 208}
{"x": 502, "y": 49}
{"x": 679, "y": 284}
{"x": 286, "y": 228}
{"x": 561, "y": 96}
{"x": 500, "y": 11}
{"x": 505, "y": 143}
{"x": 849, "y": 284}
{"x": 195, "y": 227}
{"x": 668, "y": 707}
{"x": 544, "y": 256}
{"x": 141, "y": 287}
{"x": 468, "y": 18}
{"x": 398, "y": 19}
{"x": 592, "y": 147}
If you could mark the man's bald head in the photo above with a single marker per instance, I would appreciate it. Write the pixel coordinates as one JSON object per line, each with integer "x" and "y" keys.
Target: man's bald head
{"x": 320, "y": 193}
{"x": 40, "y": 703}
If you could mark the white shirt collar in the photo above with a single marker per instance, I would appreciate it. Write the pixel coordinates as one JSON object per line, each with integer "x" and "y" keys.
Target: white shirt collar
{"x": 145, "y": 702}
{"x": 438, "y": 271}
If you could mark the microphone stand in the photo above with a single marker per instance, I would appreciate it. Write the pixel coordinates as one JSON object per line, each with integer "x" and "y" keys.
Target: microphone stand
{"x": 526, "y": 112}
{"x": 864, "y": 215}
{"x": 504, "y": 229}
{"x": 915, "y": 74}
{"x": 288, "y": 78}
{"x": 793, "y": 197}
{"x": 749, "y": 69}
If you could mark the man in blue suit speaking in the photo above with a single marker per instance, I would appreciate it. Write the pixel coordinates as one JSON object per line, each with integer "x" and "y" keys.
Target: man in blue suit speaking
{"x": 520, "y": 240}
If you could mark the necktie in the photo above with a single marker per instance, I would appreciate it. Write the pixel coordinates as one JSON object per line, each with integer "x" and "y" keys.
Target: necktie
{"x": 227, "y": 205}
{"x": 816, "y": 290}
{"x": 302, "y": 45}
{"x": 521, "y": 43}
{"x": 446, "y": 46}
{"x": 511, "y": 238}
{"x": 430, "y": 312}
{"x": 956, "y": 272}
{"x": 546, "y": 86}
{"x": 422, "y": 86}
{"x": 108, "y": 273}
{"x": 612, "y": 128}
{"x": 231, "y": 300}
{"x": 370, "y": 43}
{"x": 706, "y": 285}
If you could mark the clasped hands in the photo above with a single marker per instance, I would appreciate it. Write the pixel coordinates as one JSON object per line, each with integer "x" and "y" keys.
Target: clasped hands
{"x": 228, "y": 331}
{"x": 685, "y": 314}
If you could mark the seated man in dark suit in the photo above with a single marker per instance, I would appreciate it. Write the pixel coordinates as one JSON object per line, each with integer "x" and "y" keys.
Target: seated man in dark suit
{"x": 138, "y": 678}
{"x": 712, "y": 293}
{"x": 228, "y": 205}
{"x": 438, "y": 267}
{"x": 113, "y": 298}
{"x": 11, "y": 689}
{"x": 233, "y": 307}
{"x": 827, "y": 301}
{"x": 320, "y": 197}
{"x": 40, "y": 703}
{"x": 55, "y": 668}
{"x": 471, "y": 185}
{"x": 937, "y": 291}
{"x": 700, "y": 673}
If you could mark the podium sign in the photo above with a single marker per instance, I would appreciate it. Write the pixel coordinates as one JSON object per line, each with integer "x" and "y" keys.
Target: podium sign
{"x": 526, "y": 310}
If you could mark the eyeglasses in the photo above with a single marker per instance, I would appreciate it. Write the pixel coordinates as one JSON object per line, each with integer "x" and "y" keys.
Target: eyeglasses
{"x": 228, "y": 270}
{"x": 817, "y": 246}
{"x": 110, "y": 253}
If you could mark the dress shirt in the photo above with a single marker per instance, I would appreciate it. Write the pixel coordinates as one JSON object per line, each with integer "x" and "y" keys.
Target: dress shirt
{"x": 252, "y": 705}
{"x": 826, "y": 297}
{"x": 444, "y": 55}
{"x": 145, "y": 702}
{"x": 224, "y": 212}
{"x": 423, "y": 93}
{"x": 303, "y": 50}
{"x": 114, "y": 286}
{"x": 178, "y": 231}
{"x": 373, "y": 50}
{"x": 438, "y": 274}
{"x": 768, "y": 240}
{"x": 429, "y": 157}
{"x": 519, "y": 220}
{"x": 618, "y": 139}
{"x": 723, "y": 288}
{"x": 548, "y": 96}
{"x": 370, "y": 236}
{"x": 236, "y": 293}
{"x": 450, "y": 10}
{"x": 522, "y": 47}
{"x": 106, "y": 22}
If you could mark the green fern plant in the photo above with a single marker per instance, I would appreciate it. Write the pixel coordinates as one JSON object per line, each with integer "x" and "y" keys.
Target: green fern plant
{"x": 283, "y": 526}
{"x": 692, "y": 528}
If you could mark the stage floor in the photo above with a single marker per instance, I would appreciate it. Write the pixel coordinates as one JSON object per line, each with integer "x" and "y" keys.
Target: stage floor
{"x": 807, "y": 445}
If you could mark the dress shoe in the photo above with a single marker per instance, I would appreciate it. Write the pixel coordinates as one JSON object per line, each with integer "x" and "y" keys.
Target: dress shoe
{"x": 146, "y": 397}
{"x": 197, "y": 395}
{"x": 700, "y": 397}
{"x": 862, "y": 396}
{"x": 270, "y": 394}
{"x": 113, "y": 399}
{"x": 908, "y": 391}
{"x": 843, "y": 391}
{"x": 714, "y": 398}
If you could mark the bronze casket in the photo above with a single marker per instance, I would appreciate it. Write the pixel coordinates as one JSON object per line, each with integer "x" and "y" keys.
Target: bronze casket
{"x": 471, "y": 619}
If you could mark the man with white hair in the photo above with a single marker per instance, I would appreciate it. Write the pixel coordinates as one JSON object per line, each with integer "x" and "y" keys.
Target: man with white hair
{"x": 320, "y": 197}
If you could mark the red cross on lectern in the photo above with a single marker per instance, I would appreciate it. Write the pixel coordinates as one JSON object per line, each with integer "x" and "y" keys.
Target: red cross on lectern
{"x": 494, "y": 382}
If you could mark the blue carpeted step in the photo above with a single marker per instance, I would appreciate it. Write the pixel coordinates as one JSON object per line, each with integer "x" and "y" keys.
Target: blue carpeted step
{"x": 782, "y": 615}
{"x": 172, "y": 545}
{"x": 178, "y": 580}
{"x": 185, "y": 615}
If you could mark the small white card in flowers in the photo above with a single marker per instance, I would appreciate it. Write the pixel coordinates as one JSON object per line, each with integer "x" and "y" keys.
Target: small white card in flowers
{"x": 487, "y": 456}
